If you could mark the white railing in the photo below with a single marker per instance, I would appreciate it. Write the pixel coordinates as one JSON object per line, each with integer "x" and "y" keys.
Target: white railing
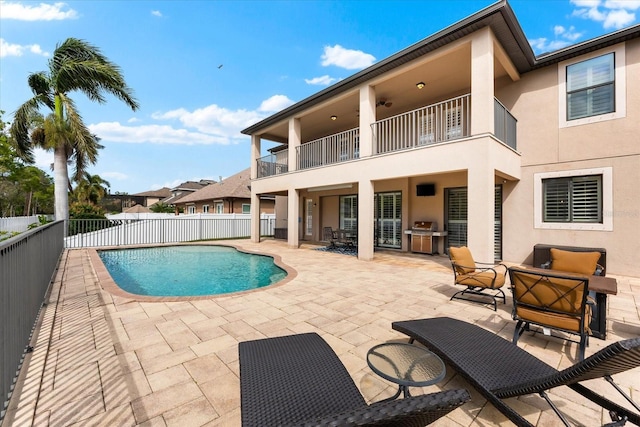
{"x": 335, "y": 148}
{"x": 183, "y": 228}
{"x": 273, "y": 164}
{"x": 432, "y": 124}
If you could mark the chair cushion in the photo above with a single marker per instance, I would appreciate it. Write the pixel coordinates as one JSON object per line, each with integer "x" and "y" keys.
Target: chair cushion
{"x": 574, "y": 262}
{"x": 484, "y": 279}
{"x": 554, "y": 320}
{"x": 463, "y": 259}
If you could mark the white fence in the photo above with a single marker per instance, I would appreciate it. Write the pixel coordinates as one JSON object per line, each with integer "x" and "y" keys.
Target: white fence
{"x": 18, "y": 224}
{"x": 182, "y": 228}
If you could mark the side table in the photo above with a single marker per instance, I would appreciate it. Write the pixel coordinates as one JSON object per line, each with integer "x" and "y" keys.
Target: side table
{"x": 406, "y": 365}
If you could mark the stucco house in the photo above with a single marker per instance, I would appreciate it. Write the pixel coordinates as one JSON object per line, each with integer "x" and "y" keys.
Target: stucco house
{"x": 229, "y": 195}
{"x": 468, "y": 128}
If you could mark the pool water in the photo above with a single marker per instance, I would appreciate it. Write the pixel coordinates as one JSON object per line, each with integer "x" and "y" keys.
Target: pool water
{"x": 189, "y": 270}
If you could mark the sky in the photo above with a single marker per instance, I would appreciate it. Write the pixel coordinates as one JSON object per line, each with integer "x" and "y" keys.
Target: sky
{"x": 204, "y": 70}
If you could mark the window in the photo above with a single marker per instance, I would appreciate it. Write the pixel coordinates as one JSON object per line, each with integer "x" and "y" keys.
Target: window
{"x": 574, "y": 200}
{"x": 349, "y": 213}
{"x": 191, "y": 209}
{"x": 308, "y": 229}
{"x": 590, "y": 87}
{"x": 219, "y": 208}
{"x": 246, "y": 208}
{"x": 205, "y": 208}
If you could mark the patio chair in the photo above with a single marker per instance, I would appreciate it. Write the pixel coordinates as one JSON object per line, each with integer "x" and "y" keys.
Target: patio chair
{"x": 499, "y": 370}
{"x": 480, "y": 282}
{"x": 299, "y": 380}
{"x": 328, "y": 235}
{"x": 552, "y": 300}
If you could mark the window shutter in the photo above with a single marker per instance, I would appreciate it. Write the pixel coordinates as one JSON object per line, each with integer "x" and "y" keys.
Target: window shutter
{"x": 556, "y": 200}
{"x": 586, "y": 196}
{"x": 591, "y": 87}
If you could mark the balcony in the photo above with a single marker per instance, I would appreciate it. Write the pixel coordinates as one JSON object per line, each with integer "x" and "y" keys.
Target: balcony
{"x": 433, "y": 124}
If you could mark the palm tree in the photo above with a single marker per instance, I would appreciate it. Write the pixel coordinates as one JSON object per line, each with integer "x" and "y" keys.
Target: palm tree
{"x": 91, "y": 189}
{"x": 75, "y": 65}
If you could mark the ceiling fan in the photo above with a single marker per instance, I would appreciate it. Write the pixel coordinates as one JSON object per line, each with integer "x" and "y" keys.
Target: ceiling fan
{"x": 384, "y": 102}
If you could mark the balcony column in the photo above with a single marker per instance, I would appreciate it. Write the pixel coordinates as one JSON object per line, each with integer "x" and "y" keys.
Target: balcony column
{"x": 367, "y": 117}
{"x": 481, "y": 211}
{"x": 293, "y": 218}
{"x": 365, "y": 220}
{"x": 295, "y": 134}
{"x": 482, "y": 82}
{"x": 255, "y": 198}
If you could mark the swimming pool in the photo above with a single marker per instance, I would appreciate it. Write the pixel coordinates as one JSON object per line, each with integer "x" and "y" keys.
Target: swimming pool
{"x": 196, "y": 270}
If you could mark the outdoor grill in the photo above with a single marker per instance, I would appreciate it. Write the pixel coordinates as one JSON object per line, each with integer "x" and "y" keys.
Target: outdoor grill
{"x": 424, "y": 236}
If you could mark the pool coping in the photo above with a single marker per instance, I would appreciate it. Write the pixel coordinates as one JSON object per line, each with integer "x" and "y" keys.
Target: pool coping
{"x": 107, "y": 283}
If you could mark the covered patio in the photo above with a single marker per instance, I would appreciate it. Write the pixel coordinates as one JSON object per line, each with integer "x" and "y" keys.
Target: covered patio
{"x": 101, "y": 359}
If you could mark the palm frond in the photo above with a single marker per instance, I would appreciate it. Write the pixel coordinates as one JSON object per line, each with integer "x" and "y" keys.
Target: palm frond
{"x": 41, "y": 87}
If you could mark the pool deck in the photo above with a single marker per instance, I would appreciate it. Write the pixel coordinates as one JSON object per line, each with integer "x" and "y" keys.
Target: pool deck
{"x": 101, "y": 359}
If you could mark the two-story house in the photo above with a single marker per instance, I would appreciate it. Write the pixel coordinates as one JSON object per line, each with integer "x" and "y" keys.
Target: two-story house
{"x": 470, "y": 129}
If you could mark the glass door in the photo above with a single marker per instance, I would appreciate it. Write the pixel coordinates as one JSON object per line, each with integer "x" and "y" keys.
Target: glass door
{"x": 389, "y": 220}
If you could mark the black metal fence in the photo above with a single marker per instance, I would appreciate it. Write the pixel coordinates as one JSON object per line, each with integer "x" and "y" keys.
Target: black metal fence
{"x": 28, "y": 263}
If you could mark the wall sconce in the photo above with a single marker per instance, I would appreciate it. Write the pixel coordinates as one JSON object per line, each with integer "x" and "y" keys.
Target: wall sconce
{"x": 334, "y": 117}
{"x": 420, "y": 85}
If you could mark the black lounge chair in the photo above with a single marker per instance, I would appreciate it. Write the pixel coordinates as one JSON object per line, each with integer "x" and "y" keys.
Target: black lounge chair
{"x": 299, "y": 380}
{"x": 498, "y": 369}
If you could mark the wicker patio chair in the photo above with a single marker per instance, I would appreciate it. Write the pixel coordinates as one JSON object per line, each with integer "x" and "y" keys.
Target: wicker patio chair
{"x": 299, "y": 380}
{"x": 481, "y": 282}
{"x": 499, "y": 370}
{"x": 328, "y": 235}
{"x": 552, "y": 300}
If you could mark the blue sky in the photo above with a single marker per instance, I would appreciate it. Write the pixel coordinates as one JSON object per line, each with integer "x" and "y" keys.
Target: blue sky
{"x": 204, "y": 70}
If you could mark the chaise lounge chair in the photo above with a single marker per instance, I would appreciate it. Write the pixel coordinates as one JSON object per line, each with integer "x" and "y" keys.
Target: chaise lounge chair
{"x": 498, "y": 369}
{"x": 299, "y": 380}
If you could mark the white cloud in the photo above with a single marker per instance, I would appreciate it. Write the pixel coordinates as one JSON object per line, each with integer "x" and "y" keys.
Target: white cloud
{"x": 322, "y": 80}
{"x": 275, "y": 103}
{"x": 156, "y": 13}
{"x": 542, "y": 45}
{"x": 10, "y": 49}
{"x": 118, "y": 176}
{"x": 614, "y": 14}
{"x": 133, "y": 120}
{"x": 155, "y": 134}
{"x": 41, "y": 12}
{"x": 346, "y": 58}
{"x": 618, "y": 19}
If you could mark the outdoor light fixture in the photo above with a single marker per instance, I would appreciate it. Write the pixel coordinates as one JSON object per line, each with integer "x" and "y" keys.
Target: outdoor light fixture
{"x": 420, "y": 85}
{"x": 334, "y": 117}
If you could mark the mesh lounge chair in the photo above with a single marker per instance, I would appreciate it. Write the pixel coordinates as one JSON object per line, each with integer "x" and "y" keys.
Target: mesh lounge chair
{"x": 498, "y": 369}
{"x": 299, "y": 380}
{"x": 481, "y": 282}
{"x": 551, "y": 300}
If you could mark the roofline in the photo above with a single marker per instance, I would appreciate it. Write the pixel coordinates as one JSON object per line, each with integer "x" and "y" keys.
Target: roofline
{"x": 441, "y": 38}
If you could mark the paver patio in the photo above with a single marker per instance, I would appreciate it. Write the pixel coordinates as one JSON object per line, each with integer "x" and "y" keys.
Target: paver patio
{"x": 101, "y": 359}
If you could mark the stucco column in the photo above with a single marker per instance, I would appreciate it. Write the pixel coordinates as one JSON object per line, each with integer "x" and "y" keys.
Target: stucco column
{"x": 293, "y": 218}
{"x": 255, "y": 217}
{"x": 365, "y": 220}
{"x": 367, "y": 117}
{"x": 295, "y": 134}
{"x": 255, "y": 199}
{"x": 482, "y": 84}
{"x": 480, "y": 211}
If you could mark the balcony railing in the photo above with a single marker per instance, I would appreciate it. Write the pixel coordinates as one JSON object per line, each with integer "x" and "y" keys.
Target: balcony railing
{"x": 273, "y": 164}
{"x": 504, "y": 125}
{"x": 336, "y": 148}
{"x": 435, "y": 123}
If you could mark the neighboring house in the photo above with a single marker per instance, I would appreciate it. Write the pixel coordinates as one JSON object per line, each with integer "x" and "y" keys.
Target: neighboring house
{"x": 231, "y": 195}
{"x": 502, "y": 148}
{"x": 122, "y": 202}
{"x": 183, "y": 190}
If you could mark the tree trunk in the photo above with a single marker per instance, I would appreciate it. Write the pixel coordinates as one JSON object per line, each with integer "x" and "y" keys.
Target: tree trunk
{"x": 61, "y": 182}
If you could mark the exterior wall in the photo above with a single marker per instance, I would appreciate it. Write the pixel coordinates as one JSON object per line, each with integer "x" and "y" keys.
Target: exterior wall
{"x": 235, "y": 206}
{"x": 546, "y": 147}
